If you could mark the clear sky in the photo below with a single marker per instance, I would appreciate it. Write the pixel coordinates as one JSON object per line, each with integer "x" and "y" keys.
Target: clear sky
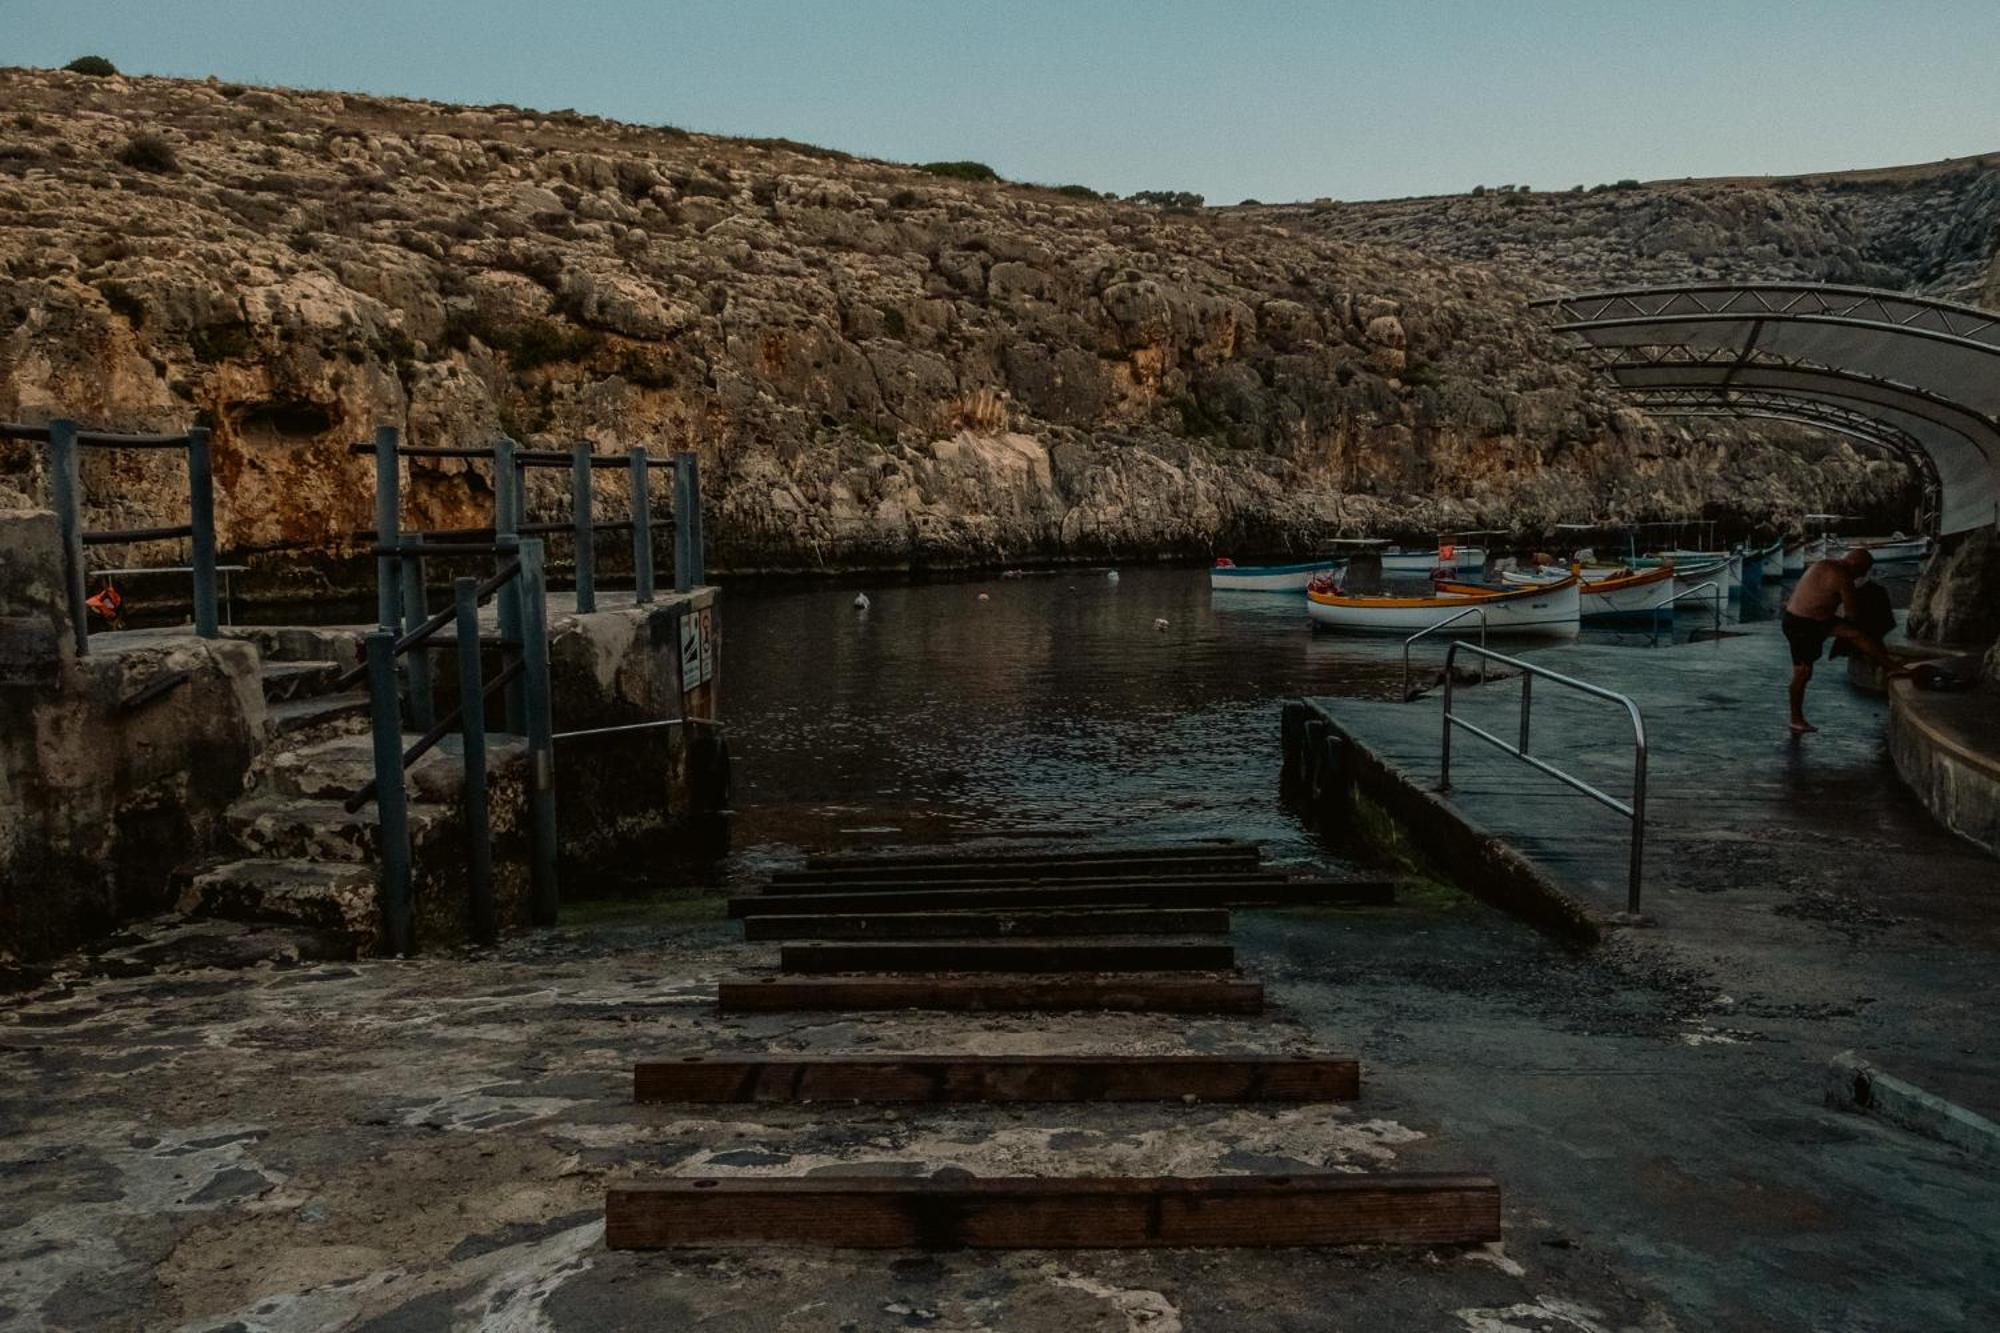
{"x": 1276, "y": 99}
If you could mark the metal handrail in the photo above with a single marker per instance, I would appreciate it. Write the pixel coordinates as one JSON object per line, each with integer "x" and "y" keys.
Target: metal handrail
{"x": 65, "y": 440}
{"x": 1453, "y": 618}
{"x": 1634, "y": 810}
{"x": 1714, "y": 606}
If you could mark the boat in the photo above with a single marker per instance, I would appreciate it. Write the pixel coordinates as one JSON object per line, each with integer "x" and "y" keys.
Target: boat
{"x": 1771, "y": 559}
{"x": 1695, "y": 567}
{"x": 1892, "y": 550}
{"x": 1465, "y": 559}
{"x": 1609, "y": 592}
{"x": 1546, "y": 610}
{"x": 1795, "y": 558}
{"x": 1226, "y": 575}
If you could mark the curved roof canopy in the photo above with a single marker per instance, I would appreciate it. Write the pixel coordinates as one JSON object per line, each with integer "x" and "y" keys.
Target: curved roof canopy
{"x": 1918, "y": 376}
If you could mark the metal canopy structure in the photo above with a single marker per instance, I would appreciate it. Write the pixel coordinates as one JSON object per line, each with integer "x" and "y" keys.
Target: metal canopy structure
{"x": 1916, "y": 376}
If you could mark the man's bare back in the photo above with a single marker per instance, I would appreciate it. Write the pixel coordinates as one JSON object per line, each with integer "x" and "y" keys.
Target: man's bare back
{"x": 1823, "y": 590}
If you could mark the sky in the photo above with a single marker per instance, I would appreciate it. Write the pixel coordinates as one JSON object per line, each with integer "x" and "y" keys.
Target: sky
{"x": 1233, "y": 99}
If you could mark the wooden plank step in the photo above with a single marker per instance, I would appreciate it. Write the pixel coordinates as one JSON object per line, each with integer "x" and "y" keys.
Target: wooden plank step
{"x": 1139, "y": 993}
{"x": 1025, "y": 855}
{"x": 1005, "y": 1213}
{"x": 1004, "y": 956}
{"x": 997, "y": 1078}
{"x": 1278, "y": 893}
{"x": 1249, "y": 878}
{"x": 1054, "y": 867}
{"x": 974, "y": 925}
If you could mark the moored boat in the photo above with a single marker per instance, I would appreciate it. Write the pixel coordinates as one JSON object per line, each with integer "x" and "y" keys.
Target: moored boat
{"x": 1464, "y": 559}
{"x": 1886, "y": 550}
{"x": 1609, "y": 593}
{"x": 1771, "y": 559}
{"x": 1795, "y": 558}
{"x": 1547, "y": 610}
{"x": 1692, "y": 568}
{"x": 1227, "y": 575}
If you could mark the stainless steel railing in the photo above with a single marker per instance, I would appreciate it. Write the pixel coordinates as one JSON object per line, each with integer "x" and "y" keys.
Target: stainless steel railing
{"x": 1714, "y": 606}
{"x": 1453, "y": 618}
{"x": 1634, "y": 809}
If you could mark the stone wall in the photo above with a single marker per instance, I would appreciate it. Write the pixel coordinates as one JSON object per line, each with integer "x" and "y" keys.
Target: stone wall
{"x": 102, "y": 797}
{"x": 1956, "y": 603}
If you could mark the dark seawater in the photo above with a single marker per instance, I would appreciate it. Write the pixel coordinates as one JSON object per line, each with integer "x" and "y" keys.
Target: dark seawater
{"x": 1055, "y": 708}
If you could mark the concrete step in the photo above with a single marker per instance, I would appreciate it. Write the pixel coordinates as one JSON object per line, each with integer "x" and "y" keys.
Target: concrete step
{"x": 343, "y": 714}
{"x": 270, "y": 825}
{"x": 334, "y": 768}
{"x": 297, "y": 680}
{"x": 330, "y": 896}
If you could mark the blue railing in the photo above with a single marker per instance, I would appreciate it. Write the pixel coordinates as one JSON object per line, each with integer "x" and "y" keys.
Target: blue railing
{"x": 66, "y": 443}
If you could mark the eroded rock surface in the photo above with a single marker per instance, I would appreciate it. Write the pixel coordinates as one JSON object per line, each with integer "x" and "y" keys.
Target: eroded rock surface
{"x": 877, "y": 366}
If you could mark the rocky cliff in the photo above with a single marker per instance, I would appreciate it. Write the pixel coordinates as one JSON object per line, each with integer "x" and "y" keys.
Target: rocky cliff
{"x": 877, "y": 366}
{"x": 1929, "y": 229}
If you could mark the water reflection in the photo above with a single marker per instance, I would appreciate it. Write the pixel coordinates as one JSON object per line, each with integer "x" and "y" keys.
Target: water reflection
{"x": 1048, "y": 705}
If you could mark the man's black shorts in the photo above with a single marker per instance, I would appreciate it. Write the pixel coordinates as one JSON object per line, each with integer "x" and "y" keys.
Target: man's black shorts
{"x": 1807, "y": 637}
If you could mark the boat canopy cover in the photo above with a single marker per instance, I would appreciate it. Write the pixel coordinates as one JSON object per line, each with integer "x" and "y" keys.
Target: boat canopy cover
{"x": 1915, "y": 375}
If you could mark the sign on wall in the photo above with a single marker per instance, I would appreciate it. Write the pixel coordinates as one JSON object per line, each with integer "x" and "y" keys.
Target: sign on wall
{"x": 697, "y": 647}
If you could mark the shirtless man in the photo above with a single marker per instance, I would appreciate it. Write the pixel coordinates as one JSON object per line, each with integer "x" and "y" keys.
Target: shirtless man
{"x": 1820, "y": 608}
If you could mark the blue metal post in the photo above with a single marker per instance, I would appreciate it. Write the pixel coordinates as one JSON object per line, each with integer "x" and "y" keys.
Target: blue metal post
{"x": 543, "y": 898}
{"x": 699, "y": 574}
{"x": 391, "y": 807}
{"x": 506, "y": 534}
{"x": 388, "y": 511}
{"x": 484, "y": 918}
{"x": 201, "y": 507}
{"x": 423, "y": 708}
{"x": 586, "y": 533}
{"x": 642, "y": 530}
{"x": 684, "y": 529}
{"x": 66, "y": 490}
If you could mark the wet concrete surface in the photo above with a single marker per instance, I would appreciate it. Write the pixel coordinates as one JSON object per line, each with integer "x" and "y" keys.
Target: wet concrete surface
{"x": 424, "y": 1145}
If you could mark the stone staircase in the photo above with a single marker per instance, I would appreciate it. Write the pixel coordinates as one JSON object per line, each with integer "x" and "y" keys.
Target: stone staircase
{"x": 292, "y": 854}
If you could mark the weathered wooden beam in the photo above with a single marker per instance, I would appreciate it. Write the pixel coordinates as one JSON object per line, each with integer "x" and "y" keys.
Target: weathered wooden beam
{"x": 1005, "y": 1213}
{"x": 997, "y": 925}
{"x": 1207, "y": 862}
{"x": 915, "y": 885}
{"x": 1005, "y": 956}
{"x": 1221, "y": 847}
{"x": 997, "y": 1078}
{"x": 1285, "y": 893}
{"x": 1140, "y": 994}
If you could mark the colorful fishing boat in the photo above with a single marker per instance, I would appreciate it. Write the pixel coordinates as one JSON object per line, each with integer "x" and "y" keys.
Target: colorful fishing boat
{"x": 1795, "y": 558}
{"x": 1226, "y": 575}
{"x": 1546, "y": 610}
{"x": 1609, "y": 592}
{"x": 1692, "y": 568}
{"x": 1770, "y": 559}
{"x": 1446, "y": 556}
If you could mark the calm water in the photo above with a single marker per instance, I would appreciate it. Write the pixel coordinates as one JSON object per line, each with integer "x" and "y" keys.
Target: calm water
{"x": 1057, "y": 707}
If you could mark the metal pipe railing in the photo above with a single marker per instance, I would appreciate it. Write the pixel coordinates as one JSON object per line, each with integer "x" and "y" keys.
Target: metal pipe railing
{"x": 66, "y": 442}
{"x": 1714, "y": 606}
{"x": 1634, "y": 809}
{"x": 519, "y": 579}
{"x": 1455, "y": 617}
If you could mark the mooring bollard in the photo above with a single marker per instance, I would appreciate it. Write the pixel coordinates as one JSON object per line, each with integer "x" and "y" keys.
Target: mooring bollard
{"x": 391, "y": 808}
{"x": 201, "y": 510}
{"x": 483, "y": 922}
{"x": 543, "y": 901}
{"x": 585, "y": 531}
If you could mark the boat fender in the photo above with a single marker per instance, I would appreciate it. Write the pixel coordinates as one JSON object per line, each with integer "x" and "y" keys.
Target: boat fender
{"x": 860, "y": 601}
{"x": 1160, "y": 624}
{"x": 1111, "y": 576}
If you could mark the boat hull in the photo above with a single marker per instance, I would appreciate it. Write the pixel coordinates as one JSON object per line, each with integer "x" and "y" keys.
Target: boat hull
{"x": 1465, "y": 559}
{"x": 1618, "y": 595}
{"x": 1268, "y": 578}
{"x": 1539, "y": 612}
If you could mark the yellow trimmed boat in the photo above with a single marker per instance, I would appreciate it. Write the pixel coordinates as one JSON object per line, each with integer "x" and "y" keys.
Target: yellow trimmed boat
{"x": 1548, "y": 610}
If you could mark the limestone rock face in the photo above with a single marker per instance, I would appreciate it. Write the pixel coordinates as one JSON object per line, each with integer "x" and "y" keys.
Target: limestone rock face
{"x": 876, "y": 366}
{"x": 1953, "y": 604}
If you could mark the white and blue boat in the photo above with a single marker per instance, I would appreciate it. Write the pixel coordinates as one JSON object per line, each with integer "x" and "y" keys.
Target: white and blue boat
{"x": 1225, "y": 575}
